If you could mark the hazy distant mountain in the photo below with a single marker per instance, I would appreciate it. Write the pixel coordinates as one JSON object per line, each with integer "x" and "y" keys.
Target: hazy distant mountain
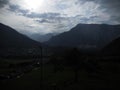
{"x": 113, "y": 48}
{"x": 86, "y": 36}
{"x": 41, "y": 38}
{"x": 9, "y": 38}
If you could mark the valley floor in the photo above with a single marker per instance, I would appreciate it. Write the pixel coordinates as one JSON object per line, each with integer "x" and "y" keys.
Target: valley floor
{"x": 29, "y": 78}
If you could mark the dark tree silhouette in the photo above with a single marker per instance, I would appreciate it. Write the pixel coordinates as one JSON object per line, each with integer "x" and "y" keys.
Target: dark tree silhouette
{"x": 53, "y": 60}
{"x": 73, "y": 60}
{"x": 56, "y": 63}
{"x": 91, "y": 65}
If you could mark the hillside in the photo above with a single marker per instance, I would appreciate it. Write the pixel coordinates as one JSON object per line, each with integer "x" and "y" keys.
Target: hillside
{"x": 112, "y": 48}
{"x": 41, "y": 38}
{"x": 86, "y": 36}
{"x": 9, "y": 38}
{"x": 14, "y": 43}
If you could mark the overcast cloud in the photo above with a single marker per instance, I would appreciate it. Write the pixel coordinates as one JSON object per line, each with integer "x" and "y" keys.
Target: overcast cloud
{"x": 55, "y": 16}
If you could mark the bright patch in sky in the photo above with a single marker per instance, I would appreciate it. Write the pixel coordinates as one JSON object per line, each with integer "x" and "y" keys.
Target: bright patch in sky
{"x": 33, "y": 5}
{"x": 56, "y": 16}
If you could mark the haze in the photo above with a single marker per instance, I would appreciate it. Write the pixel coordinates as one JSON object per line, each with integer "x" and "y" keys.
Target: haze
{"x": 56, "y": 16}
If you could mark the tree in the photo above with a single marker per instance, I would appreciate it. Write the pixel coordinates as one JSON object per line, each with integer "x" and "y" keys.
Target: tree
{"x": 73, "y": 60}
{"x": 57, "y": 63}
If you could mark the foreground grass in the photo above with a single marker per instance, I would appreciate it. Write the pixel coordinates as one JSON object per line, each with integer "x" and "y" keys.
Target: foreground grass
{"x": 62, "y": 80}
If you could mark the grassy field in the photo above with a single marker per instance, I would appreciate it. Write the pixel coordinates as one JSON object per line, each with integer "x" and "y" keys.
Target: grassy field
{"x": 107, "y": 78}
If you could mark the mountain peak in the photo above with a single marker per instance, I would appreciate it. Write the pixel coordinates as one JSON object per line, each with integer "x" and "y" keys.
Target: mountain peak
{"x": 82, "y": 35}
{"x": 11, "y": 38}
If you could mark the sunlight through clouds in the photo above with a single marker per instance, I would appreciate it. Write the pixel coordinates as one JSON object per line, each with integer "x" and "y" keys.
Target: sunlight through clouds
{"x": 56, "y": 16}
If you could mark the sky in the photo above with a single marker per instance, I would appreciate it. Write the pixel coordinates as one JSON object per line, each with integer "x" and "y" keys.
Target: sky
{"x": 56, "y": 16}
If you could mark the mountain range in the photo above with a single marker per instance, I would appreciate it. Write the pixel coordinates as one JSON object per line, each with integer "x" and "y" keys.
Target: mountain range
{"x": 86, "y": 36}
{"x": 14, "y": 43}
{"x": 83, "y": 36}
{"x": 112, "y": 48}
{"x": 10, "y": 38}
{"x": 41, "y": 37}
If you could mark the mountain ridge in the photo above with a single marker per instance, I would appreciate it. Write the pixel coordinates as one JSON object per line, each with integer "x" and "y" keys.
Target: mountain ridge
{"x": 88, "y": 35}
{"x": 12, "y": 43}
{"x": 113, "y": 48}
{"x": 11, "y": 38}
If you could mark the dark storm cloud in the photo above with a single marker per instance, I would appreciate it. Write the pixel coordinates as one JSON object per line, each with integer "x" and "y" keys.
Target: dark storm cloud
{"x": 17, "y": 9}
{"x": 3, "y": 2}
{"x": 23, "y": 12}
{"x": 111, "y": 7}
{"x": 52, "y": 20}
{"x": 44, "y": 21}
{"x": 61, "y": 16}
{"x": 84, "y": 1}
{"x": 46, "y": 17}
{"x": 105, "y": 3}
{"x": 43, "y": 15}
{"x": 110, "y": 4}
